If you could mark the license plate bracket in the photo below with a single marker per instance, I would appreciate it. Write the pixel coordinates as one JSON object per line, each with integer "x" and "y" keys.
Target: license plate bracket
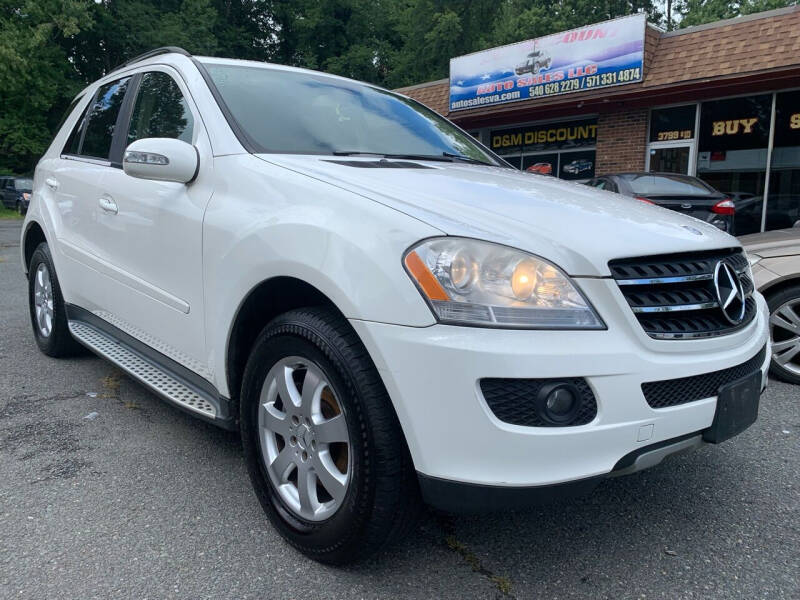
{"x": 737, "y": 408}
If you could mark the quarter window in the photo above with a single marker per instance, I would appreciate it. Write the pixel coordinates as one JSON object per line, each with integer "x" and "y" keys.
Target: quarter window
{"x": 64, "y": 119}
{"x": 73, "y": 145}
{"x": 160, "y": 110}
{"x": 102, "y": 118}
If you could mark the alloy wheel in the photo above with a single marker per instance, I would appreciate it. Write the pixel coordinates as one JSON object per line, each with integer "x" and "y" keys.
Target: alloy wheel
{"x": 43, "y": 300}
{"x": 784, "y": 327}
{"x": 304, "y": 440}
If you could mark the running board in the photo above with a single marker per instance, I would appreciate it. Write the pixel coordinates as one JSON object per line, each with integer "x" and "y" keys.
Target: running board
{"x": 159, "y": 380}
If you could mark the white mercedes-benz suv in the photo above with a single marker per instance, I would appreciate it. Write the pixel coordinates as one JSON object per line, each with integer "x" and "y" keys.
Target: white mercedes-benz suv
{"x": 386, "y": 311}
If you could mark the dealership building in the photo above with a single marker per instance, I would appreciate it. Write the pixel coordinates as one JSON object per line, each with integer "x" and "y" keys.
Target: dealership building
{"x": 718, "y": 101}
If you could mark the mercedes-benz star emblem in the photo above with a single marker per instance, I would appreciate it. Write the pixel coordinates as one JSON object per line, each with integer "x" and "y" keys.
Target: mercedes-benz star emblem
{"x": 691, "y": 229}
{"x": 730, "y": 292}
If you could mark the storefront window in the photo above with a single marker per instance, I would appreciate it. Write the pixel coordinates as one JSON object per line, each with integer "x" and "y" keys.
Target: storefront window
{"x": 732, "y": 153}
{"x": 783, "y": 200}
{"x": 564, "y": 150}
{"x": 672, "y": 124}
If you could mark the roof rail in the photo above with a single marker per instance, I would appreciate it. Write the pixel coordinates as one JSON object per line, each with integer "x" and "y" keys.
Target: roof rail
{"x": 150, "y": 54}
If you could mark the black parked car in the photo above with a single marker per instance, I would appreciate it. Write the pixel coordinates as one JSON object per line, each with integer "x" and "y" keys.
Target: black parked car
{"x": 682, "y": 193}
{"x": 16, "y": 193}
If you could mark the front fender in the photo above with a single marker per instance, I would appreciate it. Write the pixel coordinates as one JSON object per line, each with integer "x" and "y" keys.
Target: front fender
{"x": 265, "y": 221}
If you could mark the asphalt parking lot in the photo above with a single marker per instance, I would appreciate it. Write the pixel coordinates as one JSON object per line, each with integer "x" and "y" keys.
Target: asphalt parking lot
{"x": 107, "y": 492}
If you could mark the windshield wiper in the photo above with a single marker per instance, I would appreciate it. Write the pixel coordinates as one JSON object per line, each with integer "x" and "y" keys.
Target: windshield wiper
{"x": 443, "y": 157}
{"x": 465, "y": 158}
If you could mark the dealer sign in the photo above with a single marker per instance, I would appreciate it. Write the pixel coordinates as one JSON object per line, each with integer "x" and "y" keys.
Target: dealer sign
{"x": 596, "y": 56}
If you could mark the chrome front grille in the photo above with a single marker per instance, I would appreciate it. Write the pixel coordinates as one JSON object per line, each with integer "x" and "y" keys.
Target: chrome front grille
{"x": 674, "y": 296}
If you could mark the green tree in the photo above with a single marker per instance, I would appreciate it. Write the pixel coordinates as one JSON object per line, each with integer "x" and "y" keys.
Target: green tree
{"x": 124, "y": 29}
{"x": 526, "y": 19}
{"x": 698, "y": 12}
{"x": 50, "y": 49}
{"x": 37, "y": 79}
{"x": 433, "y": 31}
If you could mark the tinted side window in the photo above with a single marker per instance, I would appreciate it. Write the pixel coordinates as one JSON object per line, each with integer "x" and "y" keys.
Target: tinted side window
{"x": 102, "y": 117}
{"x": 73, "y": 145}
{"x": 160, "y": 110}
{"x": 68, "y": 112}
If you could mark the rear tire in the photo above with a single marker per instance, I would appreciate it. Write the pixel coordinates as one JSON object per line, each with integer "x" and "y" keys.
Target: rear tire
{"x": 46, "y": 305}
{"x": 381, "y": 502}
{"x": 784, "y": 328}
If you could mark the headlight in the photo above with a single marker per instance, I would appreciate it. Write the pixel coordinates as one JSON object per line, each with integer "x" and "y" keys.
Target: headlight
{"x": 471, "y": 282}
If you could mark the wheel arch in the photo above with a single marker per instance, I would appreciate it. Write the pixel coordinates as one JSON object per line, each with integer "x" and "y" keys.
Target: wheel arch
{"x": 264, "y": 302}
{"x": 32, "y": 237}
{"x": 778, "y": 285}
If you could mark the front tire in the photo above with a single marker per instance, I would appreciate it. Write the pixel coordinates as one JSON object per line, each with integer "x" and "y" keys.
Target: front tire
{"x": 784, "y": 329}
{"x": 46, "y": 305}
{"x": 323, "y": 446}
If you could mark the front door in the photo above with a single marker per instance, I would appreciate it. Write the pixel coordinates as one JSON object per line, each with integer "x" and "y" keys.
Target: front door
{"x": 152, "y": 230}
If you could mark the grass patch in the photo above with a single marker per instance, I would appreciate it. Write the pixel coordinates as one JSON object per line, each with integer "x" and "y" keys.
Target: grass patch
{"x": 7, "y": 213}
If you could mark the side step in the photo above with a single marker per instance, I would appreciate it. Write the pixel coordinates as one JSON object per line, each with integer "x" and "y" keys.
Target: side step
{"x": 151, "y": 375}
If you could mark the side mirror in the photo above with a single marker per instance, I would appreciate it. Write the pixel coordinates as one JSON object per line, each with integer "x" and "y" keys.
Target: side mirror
{"x": 161, "y": 159}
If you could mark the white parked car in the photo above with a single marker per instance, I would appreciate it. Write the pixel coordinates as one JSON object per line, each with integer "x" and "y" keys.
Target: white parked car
{"x": 386, "y": 311}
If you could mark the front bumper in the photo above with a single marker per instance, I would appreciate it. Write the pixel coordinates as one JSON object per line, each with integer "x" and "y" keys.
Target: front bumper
{"x": 432, "y": 375}
{"x": 458, "y": 497}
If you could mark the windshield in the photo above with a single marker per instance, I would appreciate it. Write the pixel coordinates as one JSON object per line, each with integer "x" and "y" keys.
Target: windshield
{"x": 24, "y": 184}
{"x": 303, "y": 113}
{"x": 668, "y": 185}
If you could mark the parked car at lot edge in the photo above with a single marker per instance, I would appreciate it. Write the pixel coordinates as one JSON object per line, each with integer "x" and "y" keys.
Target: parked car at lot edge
{"x": 16, "y": 193}
{"x": 386, "y": 311}
{"x": 682, "y": 193}
{"x": 783, "y": 211}
{"x": 775, "y": 261}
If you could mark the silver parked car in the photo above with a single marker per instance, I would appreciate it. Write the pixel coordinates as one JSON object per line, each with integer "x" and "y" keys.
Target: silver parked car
{"x": 775, "y": 259}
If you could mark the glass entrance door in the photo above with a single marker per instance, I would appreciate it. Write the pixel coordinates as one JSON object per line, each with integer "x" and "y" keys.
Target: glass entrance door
{"x": 670, "y": 159}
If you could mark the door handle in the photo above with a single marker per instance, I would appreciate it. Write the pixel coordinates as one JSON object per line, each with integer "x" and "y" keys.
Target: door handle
{"x": 108, "y": 205}
{"x": 52, "y": 183}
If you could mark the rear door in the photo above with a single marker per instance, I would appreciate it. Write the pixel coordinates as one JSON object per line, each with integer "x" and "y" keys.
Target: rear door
{"x": 152, "y": 237}
{"x": 73, "y": 182}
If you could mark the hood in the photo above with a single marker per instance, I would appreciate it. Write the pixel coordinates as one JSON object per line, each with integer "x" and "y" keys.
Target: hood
{"x": 781, "y": 242}
{"x": 572, "y": 225}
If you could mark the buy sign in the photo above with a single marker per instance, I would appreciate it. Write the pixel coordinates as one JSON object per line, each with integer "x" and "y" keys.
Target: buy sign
{"x": 733, "y": 126}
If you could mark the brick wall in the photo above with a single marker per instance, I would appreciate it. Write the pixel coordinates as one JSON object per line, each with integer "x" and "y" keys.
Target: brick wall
{"x": 621, "y": 141}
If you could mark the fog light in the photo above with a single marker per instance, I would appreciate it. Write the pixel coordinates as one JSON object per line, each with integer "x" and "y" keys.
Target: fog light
{"x": 558, "y": 402}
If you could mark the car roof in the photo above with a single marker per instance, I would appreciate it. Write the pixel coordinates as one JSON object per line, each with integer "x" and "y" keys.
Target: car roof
{"x": 175, "y": 55}
{"x": 213, "y": 60}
